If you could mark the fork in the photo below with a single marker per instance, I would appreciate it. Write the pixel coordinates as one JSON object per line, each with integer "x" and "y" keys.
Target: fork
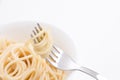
{"x": 62, "y": 61}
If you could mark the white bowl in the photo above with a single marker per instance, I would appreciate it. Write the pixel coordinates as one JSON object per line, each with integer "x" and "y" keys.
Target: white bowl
{"x": 20, "y": 31}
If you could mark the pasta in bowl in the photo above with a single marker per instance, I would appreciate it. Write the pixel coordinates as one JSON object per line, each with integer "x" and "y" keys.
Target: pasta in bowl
{"x": 19, "y": 60}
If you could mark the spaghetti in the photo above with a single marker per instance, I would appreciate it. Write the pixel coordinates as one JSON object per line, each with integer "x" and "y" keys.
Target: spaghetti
{"x": 19, "y": 61}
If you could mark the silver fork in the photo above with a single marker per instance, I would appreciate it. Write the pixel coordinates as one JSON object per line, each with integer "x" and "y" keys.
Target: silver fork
{"x": 63, "y": 61}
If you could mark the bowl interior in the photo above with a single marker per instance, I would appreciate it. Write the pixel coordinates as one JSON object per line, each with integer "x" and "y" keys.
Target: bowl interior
{"x": 20, "y": 32}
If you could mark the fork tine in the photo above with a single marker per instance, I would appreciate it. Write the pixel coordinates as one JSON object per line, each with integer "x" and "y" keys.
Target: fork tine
{"x": 33, "y": 39}
{"x": 54, "y": 58}
{"x": 54, "y": 54}
{"x": 40, "y": 28}
{"x": 34, "y": 33}
{"x": 36, "y": 30}
{"x": 56, "y": 48}
{"x": 37, "y": 39}
{"x": 56, "y": 51}
{"x": 50, "y": 61}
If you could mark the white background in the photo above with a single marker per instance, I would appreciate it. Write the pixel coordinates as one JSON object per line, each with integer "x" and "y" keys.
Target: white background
{"x": 94, "y": 26}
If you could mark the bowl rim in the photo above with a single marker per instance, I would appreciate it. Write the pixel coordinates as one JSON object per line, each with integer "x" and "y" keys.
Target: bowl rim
{"x": 19, "y": 22}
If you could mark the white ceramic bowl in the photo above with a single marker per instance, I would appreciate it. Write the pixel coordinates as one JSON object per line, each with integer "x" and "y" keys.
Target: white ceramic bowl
{"x": 20, "y": 31}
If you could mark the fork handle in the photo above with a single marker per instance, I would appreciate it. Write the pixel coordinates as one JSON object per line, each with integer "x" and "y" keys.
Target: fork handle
{"x": 92, "y": 73}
